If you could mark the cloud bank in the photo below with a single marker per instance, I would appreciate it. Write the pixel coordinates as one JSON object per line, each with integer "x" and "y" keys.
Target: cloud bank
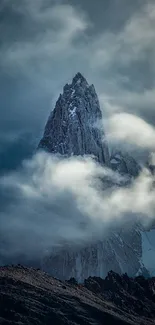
{"x": 52, "y": 201}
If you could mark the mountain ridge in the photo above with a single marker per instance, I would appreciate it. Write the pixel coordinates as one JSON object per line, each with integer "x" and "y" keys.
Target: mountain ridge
{"x": 30, "y": 296}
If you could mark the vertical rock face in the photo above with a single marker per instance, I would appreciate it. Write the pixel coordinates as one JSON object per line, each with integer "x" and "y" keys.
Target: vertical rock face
{"x": 74, "y": 126}
{"x": 121, "y": 252}
{"x": 124, "y": 164}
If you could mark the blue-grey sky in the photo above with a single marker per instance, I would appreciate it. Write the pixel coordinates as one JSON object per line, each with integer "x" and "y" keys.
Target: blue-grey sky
{"x": 44, "y": 43}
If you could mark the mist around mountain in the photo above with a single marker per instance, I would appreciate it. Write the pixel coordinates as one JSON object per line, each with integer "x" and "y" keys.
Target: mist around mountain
{"x": 75, "y": 128}
{"x": 76, "y": 208}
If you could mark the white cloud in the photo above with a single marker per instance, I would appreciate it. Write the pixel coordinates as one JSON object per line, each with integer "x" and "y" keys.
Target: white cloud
{"x": 52, "y": 200}
{"x": 131, "y": 129}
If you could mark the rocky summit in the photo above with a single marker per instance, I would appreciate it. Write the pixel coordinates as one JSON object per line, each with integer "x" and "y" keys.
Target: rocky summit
{"x": 74, "y": 126}
{"x": 29, "y": 296}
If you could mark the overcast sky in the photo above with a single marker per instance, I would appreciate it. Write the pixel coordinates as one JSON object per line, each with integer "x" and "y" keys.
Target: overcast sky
{"x": 45, "y": 42}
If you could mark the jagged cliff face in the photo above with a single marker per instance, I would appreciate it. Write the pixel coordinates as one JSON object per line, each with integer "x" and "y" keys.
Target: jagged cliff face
{"x": 120, "y": 251}
{"x": 124, "y": 164}
{"x": 74, "y": 126}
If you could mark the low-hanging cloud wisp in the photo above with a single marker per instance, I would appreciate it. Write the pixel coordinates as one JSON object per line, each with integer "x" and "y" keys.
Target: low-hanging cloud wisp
{"x": 131, "y": 129}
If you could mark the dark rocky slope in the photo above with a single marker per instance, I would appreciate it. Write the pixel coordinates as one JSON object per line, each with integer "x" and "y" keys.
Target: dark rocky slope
{"x": 29, "y": 296}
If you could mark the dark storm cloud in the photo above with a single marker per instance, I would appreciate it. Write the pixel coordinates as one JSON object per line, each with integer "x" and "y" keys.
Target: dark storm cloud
{"x": 109, "y": 14}
{"x": 44, "y": 43}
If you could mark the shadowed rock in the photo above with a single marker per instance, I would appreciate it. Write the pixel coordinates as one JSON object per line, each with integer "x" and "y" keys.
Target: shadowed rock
{"x": 74, "y": 126}
{"x": 29, "y": 296}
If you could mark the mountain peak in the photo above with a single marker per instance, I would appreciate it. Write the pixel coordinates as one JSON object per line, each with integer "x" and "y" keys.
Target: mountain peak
{"x": 73, "y": 126}
{"x": 79, "y": 79}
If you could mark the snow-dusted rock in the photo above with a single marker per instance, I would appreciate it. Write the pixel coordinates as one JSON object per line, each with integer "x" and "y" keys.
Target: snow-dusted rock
{"x": 74, "y": 126}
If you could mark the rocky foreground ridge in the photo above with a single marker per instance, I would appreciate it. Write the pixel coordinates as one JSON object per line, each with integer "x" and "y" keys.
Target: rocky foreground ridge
{"x": 30, "y": 296}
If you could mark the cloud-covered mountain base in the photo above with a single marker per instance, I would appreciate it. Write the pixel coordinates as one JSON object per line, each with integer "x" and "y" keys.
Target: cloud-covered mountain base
{"x": 74, "y": 201}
